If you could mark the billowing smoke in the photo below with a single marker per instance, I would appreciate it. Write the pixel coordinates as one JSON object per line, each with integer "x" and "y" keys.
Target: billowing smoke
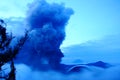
{"x": 47, "y": 22}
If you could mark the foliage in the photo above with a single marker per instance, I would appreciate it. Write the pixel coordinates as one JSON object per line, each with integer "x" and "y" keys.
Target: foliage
{"x": 7, "y": 53}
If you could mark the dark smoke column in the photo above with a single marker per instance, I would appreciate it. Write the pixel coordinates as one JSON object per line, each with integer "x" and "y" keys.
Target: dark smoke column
{"x": 48, "y": 23}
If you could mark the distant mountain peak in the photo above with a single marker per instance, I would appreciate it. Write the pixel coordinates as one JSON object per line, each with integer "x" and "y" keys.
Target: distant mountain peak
{"x": 99, "y": 64}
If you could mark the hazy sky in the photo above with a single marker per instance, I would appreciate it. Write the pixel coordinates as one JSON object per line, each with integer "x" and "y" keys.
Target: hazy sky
{"x": 92, "y": 19}
{"x": 97, "y": 21}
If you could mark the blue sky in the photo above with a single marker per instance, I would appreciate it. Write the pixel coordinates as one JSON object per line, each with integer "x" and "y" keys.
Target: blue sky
{"x": 107, "y": 50}
{"x": 92, "y": 19}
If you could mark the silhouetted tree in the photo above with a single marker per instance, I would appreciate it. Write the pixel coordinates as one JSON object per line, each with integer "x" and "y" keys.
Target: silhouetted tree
{"x": 7, "y": 52}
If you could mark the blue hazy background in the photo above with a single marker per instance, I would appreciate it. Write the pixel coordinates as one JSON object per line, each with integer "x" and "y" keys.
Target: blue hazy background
{"x": 92, "y": 33}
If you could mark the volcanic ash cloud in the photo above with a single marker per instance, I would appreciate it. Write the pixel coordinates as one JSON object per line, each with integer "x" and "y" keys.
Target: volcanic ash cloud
{"x": 47, "y": 22}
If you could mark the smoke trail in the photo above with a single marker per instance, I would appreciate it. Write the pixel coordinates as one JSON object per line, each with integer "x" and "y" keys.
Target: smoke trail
{"x": 47, "y": 22}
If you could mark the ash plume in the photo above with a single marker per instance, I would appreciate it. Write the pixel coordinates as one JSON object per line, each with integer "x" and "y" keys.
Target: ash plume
{"x": 47, "y": 22}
